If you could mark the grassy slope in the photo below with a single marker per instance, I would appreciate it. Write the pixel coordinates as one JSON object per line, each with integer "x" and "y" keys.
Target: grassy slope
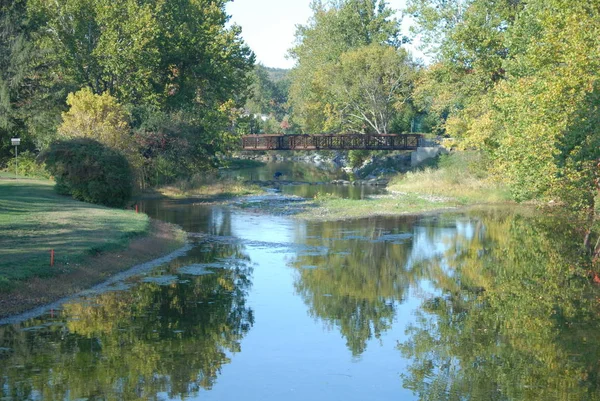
{"x": 457, "y": 180}
{"x": 34, "y": 220}
{"x": 453, "y": 181}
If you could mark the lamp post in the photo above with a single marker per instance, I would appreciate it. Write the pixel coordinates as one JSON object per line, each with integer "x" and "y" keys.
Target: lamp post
{"x": 16, "y": 142}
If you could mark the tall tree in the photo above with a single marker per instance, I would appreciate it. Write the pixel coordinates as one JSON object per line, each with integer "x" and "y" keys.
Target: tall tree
{"x": 19, "y": 71}
{"x": 174, "y": 65}
{"x": 369, "y": 86}
{"x": 335, "y": 28}
{"x": 519, "y": 82}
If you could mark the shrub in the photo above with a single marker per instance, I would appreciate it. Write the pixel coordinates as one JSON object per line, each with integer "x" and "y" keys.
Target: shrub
{"x": 28, "y": 166}
{"x": 90, "y": 171}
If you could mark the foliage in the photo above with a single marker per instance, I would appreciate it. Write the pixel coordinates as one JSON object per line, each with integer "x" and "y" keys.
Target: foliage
{"x": 177, "y": 144}
{"x": 266, "y": 109}
{"x": 267, "y": 96}
{"x": 175, "y": 58}
{"x": 200, "y": 62}
{"x": 520, "y": 83}
{"x": 369, "y": 85}
{"x": 89, "y": 171}
{"x": 28, "y": 166}
{"x": 356, "y": 158}
{"x": 563, "y": 125}
{"x": 332, "y": 31}
{"x": 21, "y": 90}
{"x": 98, "y": 117}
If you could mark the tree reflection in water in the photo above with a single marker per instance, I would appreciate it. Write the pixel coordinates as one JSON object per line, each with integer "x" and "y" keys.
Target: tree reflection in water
{"x": 354, "y": 286}
{"x": 514, "y": 316}
{"x": 507, "y": 313}
{"x": 128, "y": 345}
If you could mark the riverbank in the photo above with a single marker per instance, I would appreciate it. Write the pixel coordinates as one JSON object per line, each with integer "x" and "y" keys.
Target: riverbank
{"x": 207, "y": 189}
{"x": 455, "y": 181}
{"x": 90, "y": 243}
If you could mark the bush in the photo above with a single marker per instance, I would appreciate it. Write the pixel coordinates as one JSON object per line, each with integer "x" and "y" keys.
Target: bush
{"x": 28, "y": 166}
{"x": 90, "y": 171}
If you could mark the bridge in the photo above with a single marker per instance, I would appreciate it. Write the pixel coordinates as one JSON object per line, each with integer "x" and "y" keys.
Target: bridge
{"x": 332, "y": 142}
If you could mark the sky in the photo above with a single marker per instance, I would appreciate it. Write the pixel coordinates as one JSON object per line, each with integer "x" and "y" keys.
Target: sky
{"x": 268, "y": 26}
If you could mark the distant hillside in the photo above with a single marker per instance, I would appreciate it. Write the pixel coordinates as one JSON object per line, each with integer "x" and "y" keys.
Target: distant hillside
{"x": 277, "y": 74}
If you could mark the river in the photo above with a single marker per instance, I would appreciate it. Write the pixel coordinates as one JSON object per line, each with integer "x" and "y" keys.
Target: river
{"x": 487, "y": 304}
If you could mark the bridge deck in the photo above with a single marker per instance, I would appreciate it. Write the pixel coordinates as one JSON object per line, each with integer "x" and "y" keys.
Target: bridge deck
{"x": 331, "y": 142}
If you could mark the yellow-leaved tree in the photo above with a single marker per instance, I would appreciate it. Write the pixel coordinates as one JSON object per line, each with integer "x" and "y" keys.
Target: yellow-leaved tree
{"x": 98, "y": 117}
{"x": 103, "y": 118}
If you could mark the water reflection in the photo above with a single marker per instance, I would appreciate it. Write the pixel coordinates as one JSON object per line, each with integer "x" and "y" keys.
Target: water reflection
{"x": 484, "y": 305}
{"x": 306, "y": 173}
{"x": 160, "y": 337}
{"x": 355, "y": 284}
{"x": 290, "y": 171}
{"x": 513, "y": 317}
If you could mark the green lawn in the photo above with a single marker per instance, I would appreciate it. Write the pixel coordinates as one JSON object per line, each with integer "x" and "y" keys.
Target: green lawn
{"x": 34, "y": 220}
{"x": 333, "y": 208}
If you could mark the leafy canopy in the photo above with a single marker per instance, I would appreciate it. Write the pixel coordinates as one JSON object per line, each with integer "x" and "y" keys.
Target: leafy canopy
{"x": 334, "y": 29}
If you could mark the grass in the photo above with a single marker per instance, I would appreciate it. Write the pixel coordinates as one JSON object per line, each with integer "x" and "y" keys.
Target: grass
{"x": 209, "y": 186}
{"x": 460, "y": 176}
{"x": 332, "y": 208}
{"x": 452, "y": 181}
{"x": 34, "y": 220}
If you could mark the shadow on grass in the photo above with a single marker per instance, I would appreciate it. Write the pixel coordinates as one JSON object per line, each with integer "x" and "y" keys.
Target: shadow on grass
{"x": 34, "y": 220}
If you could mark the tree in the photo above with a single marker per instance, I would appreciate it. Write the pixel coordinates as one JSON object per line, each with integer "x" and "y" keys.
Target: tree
{"x": 101, "y": 118}
{"x": 267, "y": 96}
{"x": 98, "y": 117}
{"x": 369, "y": 85}
{"x": 173, "y": 58}
{"x": 545, "y": 114}
{"x": 333, "y": 30}
{"x": 520, "y": 83}
{"x": 20, "y": 85}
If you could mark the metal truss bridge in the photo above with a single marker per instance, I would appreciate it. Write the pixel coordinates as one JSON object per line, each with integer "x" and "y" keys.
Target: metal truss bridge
{"x": 332, "y": 142}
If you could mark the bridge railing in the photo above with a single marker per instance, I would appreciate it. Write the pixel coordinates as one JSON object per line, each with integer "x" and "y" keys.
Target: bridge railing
{"x": 332, "y": 142}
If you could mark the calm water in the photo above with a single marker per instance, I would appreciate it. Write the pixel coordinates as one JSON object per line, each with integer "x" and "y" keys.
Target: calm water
{"x": 483, "y": 305}
{"x": 306, "y": 173}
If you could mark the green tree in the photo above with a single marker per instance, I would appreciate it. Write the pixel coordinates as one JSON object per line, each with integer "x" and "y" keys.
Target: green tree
{"x": 520, "y": 83}
{"x": 176, "y": 59}
{"x": 369, "y": 86}
{"x": 559, "y": 75}
{"x": 334, "y": 29}
{"x": 267, "y": 96}
{"x": 20, "y": 86}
